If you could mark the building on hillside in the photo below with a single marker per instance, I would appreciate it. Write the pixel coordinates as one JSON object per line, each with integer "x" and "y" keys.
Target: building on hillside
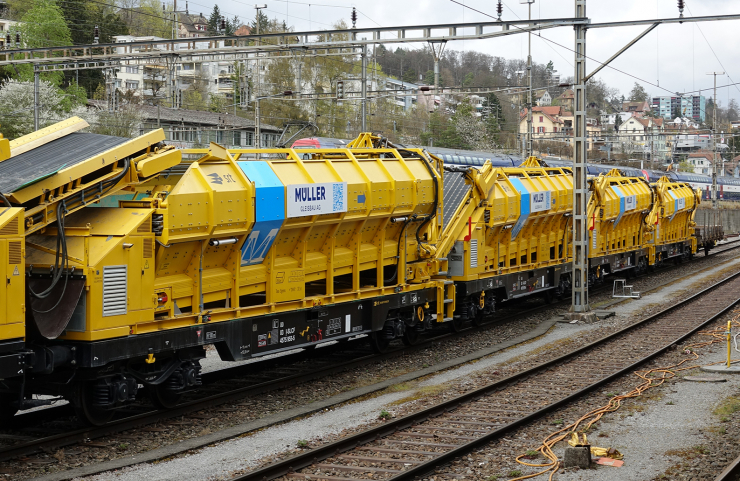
{"x": 398, "y": 92}
{"x": 158, "y": 80}
{"x": 702, "y": 161}
{"x": 6, "y": 28}
{"x": 543, "y": 98}
{"x": 243, "y": 31}
{"x": 691, "y": 106}
{"x": 645, "y": 136}
{"x": 555, "y": 124}
{"x": 193, "y": 128}
{"x": 692, "y": 142}
{"x": 565, "y": 100}
{"x": 637, "y": 109}
{"x": 191, "y": 25}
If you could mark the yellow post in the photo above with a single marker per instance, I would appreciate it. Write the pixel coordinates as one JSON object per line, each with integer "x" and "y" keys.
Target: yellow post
{"x": 729, "y": 347}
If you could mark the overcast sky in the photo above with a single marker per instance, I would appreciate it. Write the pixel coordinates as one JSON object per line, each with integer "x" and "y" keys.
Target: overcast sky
{"x": 675, "y": 57}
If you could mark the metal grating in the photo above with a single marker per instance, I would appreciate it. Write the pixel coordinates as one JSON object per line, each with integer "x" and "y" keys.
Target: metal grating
{"x": 115, "y": 285}
{"x": 11, "y": 228}
{"x": 145, "y": 228}
{"x": 15, "y": 252}
{"x": 473, "y": 253}
{"x": 46, "y": 159}
{"x": 148, "y": 248}
{"x": 455, "y": 191}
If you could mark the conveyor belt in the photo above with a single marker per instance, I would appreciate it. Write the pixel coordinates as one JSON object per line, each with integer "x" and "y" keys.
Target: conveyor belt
{"x": 455, "y": 191}
{"x": 43, "y": 161}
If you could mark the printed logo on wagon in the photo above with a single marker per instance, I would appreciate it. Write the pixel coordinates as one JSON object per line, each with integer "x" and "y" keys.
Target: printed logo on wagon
{"x": 316, "y": 199}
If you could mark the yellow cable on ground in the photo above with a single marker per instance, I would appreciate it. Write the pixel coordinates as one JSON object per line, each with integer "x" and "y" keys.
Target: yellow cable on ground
{"x": 663, "y": 374}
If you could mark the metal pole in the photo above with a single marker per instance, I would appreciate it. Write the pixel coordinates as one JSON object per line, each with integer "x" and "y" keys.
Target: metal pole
{"x": 36, "y": 80}
{"x": 364, "y": 88}
{"x": 714, "y": 141}
{"x": 529, "y": 90}
{"x": 580, "y": 309}
{"x": 257, "y": 133}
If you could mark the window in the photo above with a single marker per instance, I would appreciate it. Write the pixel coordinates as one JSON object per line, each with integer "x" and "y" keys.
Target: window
{"x": 134, "y": 69}
{"x": 237, "y": 137}
{"x": 132, "y": 85}
{"x": 540, "y": 130}
{"x": 219, "y": 136}
{"x": 541, "y": 118}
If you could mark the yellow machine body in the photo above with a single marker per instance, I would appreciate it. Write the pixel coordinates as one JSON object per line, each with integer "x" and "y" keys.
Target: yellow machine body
{"x": 616, "y": 209}
{"x": 514, "y": 219}
{"x": 670, "y": 223}
{"x": 211, "y": 259}
{"x": 12, "y": 269}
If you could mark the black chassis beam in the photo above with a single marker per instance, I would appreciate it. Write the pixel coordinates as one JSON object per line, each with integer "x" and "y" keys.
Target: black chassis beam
{"x": 245, "y": 338}
{"x": 516, "y": 284}
{"x": 620, "y": 261}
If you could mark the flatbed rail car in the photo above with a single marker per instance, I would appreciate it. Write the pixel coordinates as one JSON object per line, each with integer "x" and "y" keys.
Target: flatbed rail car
{"x": 265, "y": 254}
{"x": 709, "y": 229}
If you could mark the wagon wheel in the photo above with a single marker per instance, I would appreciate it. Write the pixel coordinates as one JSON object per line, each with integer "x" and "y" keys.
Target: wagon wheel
{"x": 163, "y": 398}
{"x": 378, "y": 342}
{"x": 7, "y": 407}
{"x": 86, "y": 411}
{"x": 456, "y": 325}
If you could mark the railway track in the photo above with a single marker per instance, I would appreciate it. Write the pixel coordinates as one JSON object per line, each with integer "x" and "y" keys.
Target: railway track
{"x": 276, "y": 374}
{"x": 417, "y": 444}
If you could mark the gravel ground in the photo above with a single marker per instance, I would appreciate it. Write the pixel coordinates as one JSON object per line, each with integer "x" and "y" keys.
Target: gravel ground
{"x": 655, "y": 439}
{"x": 233, "y": 456}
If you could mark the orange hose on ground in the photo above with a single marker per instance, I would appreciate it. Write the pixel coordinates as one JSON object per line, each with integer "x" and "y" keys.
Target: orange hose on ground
{"x": 665, "y": 373}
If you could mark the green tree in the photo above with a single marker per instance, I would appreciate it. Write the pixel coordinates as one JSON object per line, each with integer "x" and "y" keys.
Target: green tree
{"x": 264, "y": 23}
{"x": 409, "y": 75}
{"x": 83, "y": 16}
{"x": 638, "y": 93}
{"x": 214, "y": 21}
{"x": 42, "y": 25}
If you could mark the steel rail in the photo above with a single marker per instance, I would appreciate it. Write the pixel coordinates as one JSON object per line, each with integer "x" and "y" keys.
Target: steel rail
{"x": 312, "y": 457}
{"x": 154, "y": 416}
{"x": 731, "y": 471}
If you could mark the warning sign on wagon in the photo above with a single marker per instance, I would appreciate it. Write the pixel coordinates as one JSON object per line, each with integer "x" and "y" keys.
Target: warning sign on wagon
{"x": 316, "y": 199}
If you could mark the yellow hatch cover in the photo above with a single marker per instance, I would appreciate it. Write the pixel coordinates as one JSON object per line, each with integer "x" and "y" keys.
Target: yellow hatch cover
{"x": 109, "y": 220}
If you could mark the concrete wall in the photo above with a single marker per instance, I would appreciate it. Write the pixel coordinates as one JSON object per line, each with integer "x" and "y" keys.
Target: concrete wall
{"x": 729, "y": 219}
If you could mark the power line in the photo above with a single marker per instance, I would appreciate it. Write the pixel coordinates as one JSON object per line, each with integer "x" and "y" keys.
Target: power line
{"x": 571, "y": 50}
{"x": 715, "y": 55}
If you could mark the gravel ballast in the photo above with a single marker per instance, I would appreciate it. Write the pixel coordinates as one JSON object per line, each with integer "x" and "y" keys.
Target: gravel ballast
{"x": 236, "y": 456}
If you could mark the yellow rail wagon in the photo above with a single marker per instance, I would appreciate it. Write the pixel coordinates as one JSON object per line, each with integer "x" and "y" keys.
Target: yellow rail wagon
{"x": 670, "y": 223}
{"x": 508, "y": 235}
{"x": 276, "y": 250}
{"x": 46, "y": 177}
{"x": 616, "y": 211}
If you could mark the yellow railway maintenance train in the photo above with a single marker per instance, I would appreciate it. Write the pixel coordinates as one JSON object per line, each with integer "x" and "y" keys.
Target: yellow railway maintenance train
{"x": 262, "y": 251}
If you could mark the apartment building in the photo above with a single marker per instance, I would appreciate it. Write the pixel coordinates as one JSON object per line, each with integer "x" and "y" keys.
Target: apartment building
{"x": 691, "y": 106}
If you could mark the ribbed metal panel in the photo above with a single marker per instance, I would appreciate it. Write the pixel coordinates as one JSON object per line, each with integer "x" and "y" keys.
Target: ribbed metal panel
{"x": 473, "y": 253}
{"x": 48, "y": 158}
{"x": 148, "y": 248}
{"x": 115, "y": 290}
{"x": 15, "y": 252}
{"x": 11, "y": 228}
{"x": 455, "y": 190}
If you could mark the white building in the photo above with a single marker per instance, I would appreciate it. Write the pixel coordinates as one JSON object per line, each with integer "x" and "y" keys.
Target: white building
{"x": 6, "y": 28}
